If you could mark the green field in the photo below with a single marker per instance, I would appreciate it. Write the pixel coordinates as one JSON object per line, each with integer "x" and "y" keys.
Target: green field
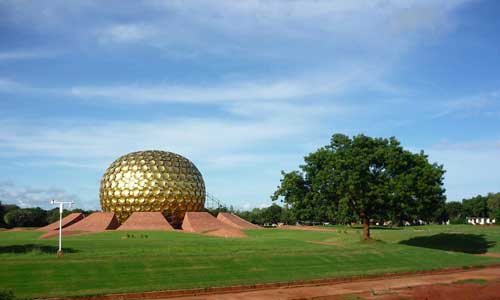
{"x": 111, "y": 262}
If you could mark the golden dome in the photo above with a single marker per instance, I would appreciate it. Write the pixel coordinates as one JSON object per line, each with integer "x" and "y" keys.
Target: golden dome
{"x": 152, "y": 181}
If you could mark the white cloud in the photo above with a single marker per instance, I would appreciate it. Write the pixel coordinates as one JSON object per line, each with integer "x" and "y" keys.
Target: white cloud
{"x": 254, "y": 15}
{"x": 7, "y": 84}
{"x": 258, "y": 90}
{"x": 244, "y": 160}
{"x": 484, "y": 104}
{"x": 26, "y": 196}
{"x": 198, "y": 137}
{"x": 241, "y": 28}
{"x": 179, "y": 94}
{"x": 25, "y": 54}
{"x": 483, "y": 145}
{"x": 125, "y": 33}
{"x": 253, "y": 28}
{"x": 10, "y": 86}
{"x": 92, "y": 164}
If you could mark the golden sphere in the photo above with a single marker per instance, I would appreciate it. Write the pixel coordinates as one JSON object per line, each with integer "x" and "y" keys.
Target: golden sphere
{"x": 157, "y": 181}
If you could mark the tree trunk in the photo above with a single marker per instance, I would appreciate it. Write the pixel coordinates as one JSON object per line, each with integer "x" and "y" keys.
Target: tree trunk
{"x": 366, "y": 228}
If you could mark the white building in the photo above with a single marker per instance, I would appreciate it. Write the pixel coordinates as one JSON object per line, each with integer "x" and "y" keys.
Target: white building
{"x": 480, "y": 221}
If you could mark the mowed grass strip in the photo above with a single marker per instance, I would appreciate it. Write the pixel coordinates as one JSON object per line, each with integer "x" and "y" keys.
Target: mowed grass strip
{"x": 111, "y": 262}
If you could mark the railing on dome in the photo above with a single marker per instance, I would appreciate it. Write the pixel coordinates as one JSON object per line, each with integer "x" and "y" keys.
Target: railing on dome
{"x": 211, "y": 202}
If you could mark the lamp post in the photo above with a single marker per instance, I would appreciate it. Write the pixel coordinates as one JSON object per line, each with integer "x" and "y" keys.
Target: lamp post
{"x": 61, "y": 204}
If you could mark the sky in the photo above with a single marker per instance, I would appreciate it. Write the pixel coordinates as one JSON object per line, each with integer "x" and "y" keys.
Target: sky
{"x": 244, "y": 89}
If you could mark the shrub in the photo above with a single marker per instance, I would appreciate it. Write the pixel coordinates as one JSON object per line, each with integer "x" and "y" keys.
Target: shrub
{"x": 6, "y": 294}
{"x": 458, "y": 220}
{"x": 497, "y": 217}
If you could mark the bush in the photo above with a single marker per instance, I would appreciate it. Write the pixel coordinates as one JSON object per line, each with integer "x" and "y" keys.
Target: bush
{"x": 17, "y": 218}
{"x": 458, "y": 220}
{"x": 28, "y": 217}
{"x": 6, "y": 294}
{"x": 497, "y": 217}
{"x": 9, "y": 295}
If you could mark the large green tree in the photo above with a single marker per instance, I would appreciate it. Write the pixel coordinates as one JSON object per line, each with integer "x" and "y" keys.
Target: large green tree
{"x": 375, "y": 177}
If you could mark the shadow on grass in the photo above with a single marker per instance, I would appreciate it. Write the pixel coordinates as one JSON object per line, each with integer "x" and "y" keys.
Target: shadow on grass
{"x": 457, "y": 242}
{"x": 29, "y": 248}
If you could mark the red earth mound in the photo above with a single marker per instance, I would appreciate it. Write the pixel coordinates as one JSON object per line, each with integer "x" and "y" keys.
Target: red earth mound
{"x": 235, "y": 221}
{"x": 146, "y": 221}
{"x": 96, "y": 222}
{"x": 205, "y": 223}
{"x": 66, "y": 221}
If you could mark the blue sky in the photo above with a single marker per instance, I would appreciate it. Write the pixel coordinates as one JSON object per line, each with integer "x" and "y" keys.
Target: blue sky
{"x": 244, "y": 89}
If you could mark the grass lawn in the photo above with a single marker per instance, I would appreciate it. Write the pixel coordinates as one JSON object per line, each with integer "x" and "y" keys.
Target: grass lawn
{"x": 112, "y": 263}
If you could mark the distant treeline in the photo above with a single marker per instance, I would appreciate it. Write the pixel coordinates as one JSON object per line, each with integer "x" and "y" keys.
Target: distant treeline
{"x": 273, "y": 214}
{"x": 480, "y": 206}
{"x": 13, "y": 216}
{"x": 454, "y": 211}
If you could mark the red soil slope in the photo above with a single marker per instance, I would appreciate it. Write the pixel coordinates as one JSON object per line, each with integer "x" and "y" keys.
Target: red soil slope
{"x": 235, "y": 221}
{"x": 205, "y": 223}
{"x": 96, "y": 222}
{"x": 146, "y": 221}
{"x": 66, "y": 221}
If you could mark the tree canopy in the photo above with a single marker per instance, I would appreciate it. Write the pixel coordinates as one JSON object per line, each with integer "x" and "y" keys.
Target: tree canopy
{"x": 482, "y": 206}
{"x": 364, "y": 178}
{"x": 13, "y": 216}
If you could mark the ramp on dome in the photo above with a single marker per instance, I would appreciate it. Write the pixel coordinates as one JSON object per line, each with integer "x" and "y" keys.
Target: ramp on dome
{"x": 66, "y": 221}
{"x": 235, "y": 221}
{"x": 96, "y": 222}
{"x": 146, "y": 221}
{"x": 205, "y": 223}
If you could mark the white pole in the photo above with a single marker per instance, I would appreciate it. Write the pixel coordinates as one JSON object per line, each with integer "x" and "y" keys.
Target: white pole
{"x": 60, "y": 228}
{"x": 61, "y": 206}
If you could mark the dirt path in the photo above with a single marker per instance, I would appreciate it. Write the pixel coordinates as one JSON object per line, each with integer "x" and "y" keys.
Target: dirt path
{"x": 476, "y": 284}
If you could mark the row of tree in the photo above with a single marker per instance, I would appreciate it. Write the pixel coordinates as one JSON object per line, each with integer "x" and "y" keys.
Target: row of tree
{"x": 14, "y": 216}
{"x": 480, "y": 206}
{"x": 456, "y": 212}
{"x": 453, "y": 211}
